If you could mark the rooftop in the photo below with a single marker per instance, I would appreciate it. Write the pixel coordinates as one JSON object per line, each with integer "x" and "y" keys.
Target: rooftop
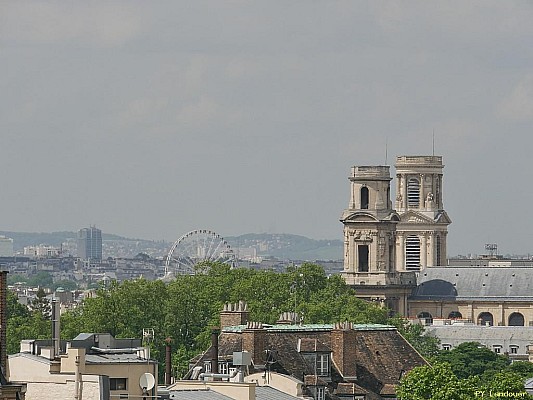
{"x": 309, "y": 328}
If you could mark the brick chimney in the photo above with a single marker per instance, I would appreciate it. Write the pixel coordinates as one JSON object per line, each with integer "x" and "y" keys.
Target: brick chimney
{"x": 254, "y": 342}
{"x": 234, "y": 314}
{"x": 3, "y": 321}
{"x": 343, "y": 344}
{"x": 288, "y": 318}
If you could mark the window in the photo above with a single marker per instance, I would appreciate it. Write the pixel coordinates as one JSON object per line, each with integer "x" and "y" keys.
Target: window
{"x": 364, "y": 198}
{"x": 497, "y": 348}
{"x": 426, "y": 317}
{"x": 516, "y": 319}
{"x": 413, "y": 192}
{"x": 207, "y": 366}
{"x": 320, "y": 393}
{"x": 455, "y": 314}
{"x": 118, "y": 383}
{"x": 513, "y": 349}
{"x": 446, "y": 347}
{"x": 223, "y": 367}
{"x": 412, "y": 253}
{"x": 438, "y": 247}
{"x": 362, "y": 252}
{"x": 322, "y": 364}
{"x": 485, "y": 319}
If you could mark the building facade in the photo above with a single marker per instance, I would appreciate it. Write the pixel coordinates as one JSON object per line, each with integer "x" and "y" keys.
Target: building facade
{"x": 423, "y": 227}
{"x": 90, "y": 243}
{"x": 6, "y": 247}
{"x": 370, "y": 248}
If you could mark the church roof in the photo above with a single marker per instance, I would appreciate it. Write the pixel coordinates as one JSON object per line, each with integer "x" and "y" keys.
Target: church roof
{"x": 471, "y": 283}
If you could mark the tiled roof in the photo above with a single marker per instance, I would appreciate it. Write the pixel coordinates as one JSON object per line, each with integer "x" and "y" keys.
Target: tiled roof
{"x": 381, "y": 355}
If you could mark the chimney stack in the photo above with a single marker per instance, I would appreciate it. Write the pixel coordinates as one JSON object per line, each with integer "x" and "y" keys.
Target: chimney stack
{"x": 168, "y": 361}
{"x": 254, "y": 342}
{"x": 3, "y": 322}
{"x": 56, "y": 335}
{"x": 214, "y": 349}
{"x": 343, "y": 344}
{"x": 234, "y": 314}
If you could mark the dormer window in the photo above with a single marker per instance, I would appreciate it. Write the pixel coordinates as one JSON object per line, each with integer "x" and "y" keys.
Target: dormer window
{"x": 319, "y": 362}
{"x": 322, "y": 364}
{"x": 320, "y": 393}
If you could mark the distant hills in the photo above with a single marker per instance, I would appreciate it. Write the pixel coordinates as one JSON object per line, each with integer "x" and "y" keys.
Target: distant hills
{"x": 281, "y": 246}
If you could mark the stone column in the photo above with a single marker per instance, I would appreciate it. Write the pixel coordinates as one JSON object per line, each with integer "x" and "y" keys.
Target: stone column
{"x": 422, "y": 192}
{"x": 400, "y": 253}
{"x": 424, "y": 250}
{"x": 431, "y": 249}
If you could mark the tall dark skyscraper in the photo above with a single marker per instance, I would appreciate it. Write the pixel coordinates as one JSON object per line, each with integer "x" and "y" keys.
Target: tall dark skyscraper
{"x": 90, "y": 243}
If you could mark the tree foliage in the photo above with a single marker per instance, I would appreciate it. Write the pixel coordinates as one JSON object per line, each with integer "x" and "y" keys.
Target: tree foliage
{"x": 438, "y": 382}
{"x": 473, "y": 359}
{"x": 427, "y": 346}
{"x": 187, "y": 307}
{"x": 24, "y": 324}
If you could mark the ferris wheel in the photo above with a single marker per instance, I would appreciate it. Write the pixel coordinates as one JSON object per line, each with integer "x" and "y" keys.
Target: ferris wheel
{"x": 196, "y": 247}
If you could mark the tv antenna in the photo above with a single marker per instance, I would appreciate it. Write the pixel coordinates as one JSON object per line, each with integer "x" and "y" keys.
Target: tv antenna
{"x": 492, "y": 248}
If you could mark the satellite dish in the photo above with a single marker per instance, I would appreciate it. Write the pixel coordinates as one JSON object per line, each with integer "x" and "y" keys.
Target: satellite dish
{"x": 147, "y": 381}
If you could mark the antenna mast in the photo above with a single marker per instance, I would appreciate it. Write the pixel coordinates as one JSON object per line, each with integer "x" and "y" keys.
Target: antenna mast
{"x": 386, "y": 149}
{"x": 433, "y": 141}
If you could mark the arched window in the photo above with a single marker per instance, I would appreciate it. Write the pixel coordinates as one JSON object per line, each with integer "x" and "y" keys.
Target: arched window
{"x": 485, "y": 319}
{"x": 516, "y": 319}
{"x": 424, "y": 315}
{"x": 455, "y": 315}
{"x": 362, "y": 253}
{"x": 364, "y": 198}
{"x": 413, "y": 192}
{"x": 412, "y": 253}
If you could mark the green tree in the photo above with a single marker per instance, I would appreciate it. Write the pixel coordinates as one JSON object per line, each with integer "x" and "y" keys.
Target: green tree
{"x": 471, "y": 358}
{"x": 41, "y": 279}
{"x": 65, "y": 284}
{"x": 436, "y": 382}
{"x": 41, "y": 305}
{"x": 427, "y": 346}
{"x": 522, "y": 368}
{"x": 186, "y": 308}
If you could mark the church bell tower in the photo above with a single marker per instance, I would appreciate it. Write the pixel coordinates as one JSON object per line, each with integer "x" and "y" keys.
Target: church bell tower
{"x": 369, "y": 227}
{"x": 370, "y": 241}
{"x": 423, "y": 228}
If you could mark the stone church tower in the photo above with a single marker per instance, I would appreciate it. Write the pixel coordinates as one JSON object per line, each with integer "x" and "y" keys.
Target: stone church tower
{"x": 370, "y": 240}
{"x": 423, "y": 228}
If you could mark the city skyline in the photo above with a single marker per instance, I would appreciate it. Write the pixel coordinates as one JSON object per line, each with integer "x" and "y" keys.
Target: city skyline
{"x": 153, "y": 119}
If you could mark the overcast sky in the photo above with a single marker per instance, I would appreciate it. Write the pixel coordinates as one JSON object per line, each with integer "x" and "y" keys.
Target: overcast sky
{"x": 151, "y": 118}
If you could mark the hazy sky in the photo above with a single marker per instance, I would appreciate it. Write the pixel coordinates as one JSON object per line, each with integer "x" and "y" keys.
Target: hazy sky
{"x": 151, "y": 118}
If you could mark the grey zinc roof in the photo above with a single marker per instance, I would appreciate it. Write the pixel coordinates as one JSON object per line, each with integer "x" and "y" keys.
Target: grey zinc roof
{"x": 506, "y": 336}
{"x": 203, "y": 394}
{"x": 469, "y": 283}
{"x": 269, "y": 393}
{"x": 110, "y": 358}
{"x": 261, "y": 393}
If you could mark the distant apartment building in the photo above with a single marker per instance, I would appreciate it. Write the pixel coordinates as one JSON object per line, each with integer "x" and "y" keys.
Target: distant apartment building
{"x": 90, "y": 243}
{"x": 42, "y": 251}
{"x": 6, "y": 247}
